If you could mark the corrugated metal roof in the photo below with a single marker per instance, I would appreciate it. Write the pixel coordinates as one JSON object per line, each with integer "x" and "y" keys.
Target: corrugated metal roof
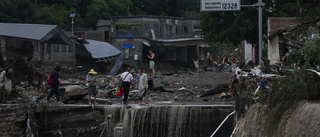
{"x": 102, "y": 23}
{"x": 278, "y": 22}
{"x": 118, "y": 63}
{"x": 37, "y": 32}
{"x": 27, "y": 31}
{"x": 100, "y": 49}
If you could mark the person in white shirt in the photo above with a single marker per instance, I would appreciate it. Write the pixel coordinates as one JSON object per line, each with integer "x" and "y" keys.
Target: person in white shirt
{"x": 126, "y": 78}
{"x": 143, "y": 86}
{"x": 151, "y": 62}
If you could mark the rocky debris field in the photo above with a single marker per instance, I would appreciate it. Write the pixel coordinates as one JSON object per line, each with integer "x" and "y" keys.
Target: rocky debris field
{"x": 176, "y": 87}
{"x": 184, "y": 87}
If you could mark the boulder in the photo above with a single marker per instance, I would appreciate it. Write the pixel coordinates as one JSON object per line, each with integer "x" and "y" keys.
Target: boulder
{"x": 73, "y": 92}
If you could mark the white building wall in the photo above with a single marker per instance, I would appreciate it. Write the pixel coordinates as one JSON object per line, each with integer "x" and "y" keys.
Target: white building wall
{"x": 247, "y": 51}
{"x": 273, "y": 50}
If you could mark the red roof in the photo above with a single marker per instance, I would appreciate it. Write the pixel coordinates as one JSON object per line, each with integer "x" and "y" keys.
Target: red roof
{"x": 279, "y": 22}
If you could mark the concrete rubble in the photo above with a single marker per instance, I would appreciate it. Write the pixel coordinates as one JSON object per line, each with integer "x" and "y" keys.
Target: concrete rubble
{"x": 218, "y": 83}
{"x": 29, "y": 92}
{"x": 166, "y": 83}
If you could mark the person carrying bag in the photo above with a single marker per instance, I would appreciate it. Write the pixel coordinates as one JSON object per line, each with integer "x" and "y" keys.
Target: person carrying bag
{"x": 126, "y": 79}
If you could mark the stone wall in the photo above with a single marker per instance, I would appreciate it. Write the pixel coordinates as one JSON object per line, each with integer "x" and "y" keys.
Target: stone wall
{"x": 132, "y": 120}
{"x": 300, "y": 121}
{"x": 13, "y": 119}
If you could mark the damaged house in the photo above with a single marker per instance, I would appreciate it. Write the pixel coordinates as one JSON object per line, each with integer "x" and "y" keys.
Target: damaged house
{"x": 280, "y": 46}
{"x": 105, "y": 29}
{"x": 96, "y": 53}
{"x": 40, "y": 43}
{"x": 174, "y": 40}
{"x": 94, "y": 46}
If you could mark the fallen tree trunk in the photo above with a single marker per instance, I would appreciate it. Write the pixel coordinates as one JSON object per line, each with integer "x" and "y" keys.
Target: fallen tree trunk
{"x": 162, "y": 89}
{"x": 219, "y": 89}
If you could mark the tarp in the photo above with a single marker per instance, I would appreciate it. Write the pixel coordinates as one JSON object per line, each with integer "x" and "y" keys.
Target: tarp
{"x": 100, "y": 49}
{"x": 126, "y": 46}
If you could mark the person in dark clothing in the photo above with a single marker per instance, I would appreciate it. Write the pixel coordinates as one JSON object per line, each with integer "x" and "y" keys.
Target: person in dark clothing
{"x": 126, "y": 78}
{"x": 55, "y": 84}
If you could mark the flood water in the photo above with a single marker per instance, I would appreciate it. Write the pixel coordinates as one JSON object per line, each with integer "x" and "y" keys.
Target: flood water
{"x": 136, "y": 121}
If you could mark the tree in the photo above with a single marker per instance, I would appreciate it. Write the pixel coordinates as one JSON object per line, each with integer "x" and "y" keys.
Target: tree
{"x": 118, "y": 7}
{"x": 235, "y": 26}
{"x": 190, "y": 8}
{"x": 174, "y": 8}
{"x": 51, "y": 15}
{"x": 97, "y": 10}
{"x": 308, "y": 17}
{"x": 20, "y": 11}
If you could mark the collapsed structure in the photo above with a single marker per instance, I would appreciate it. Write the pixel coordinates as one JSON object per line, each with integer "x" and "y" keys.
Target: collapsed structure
{"x": 175, "y": 40}
{"x": 36, "y": 42}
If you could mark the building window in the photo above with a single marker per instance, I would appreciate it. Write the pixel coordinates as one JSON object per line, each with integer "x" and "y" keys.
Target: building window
{"x": 69, "y": 48}
{"x": 59, "y": 48}
{"x": 127, "y": 49}
{"x": 36, "y": 47}
{"x": 63, "y": 48}
{"x": 145, "y": 27}
{"x": 167, "y": 29}
{"x": 177, "y": 31}
{"x": 80, "y": 35}
{"x": 55, "y": 48}
{"x": 186, "y": 29}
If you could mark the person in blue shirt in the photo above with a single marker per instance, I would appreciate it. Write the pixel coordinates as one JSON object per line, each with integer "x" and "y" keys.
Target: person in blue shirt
{"x": 138, "y": 81}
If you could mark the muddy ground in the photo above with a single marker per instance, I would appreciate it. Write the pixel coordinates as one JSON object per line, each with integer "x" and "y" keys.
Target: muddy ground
{"x": 192, "y": 87}
{"x": 172, "y": 85}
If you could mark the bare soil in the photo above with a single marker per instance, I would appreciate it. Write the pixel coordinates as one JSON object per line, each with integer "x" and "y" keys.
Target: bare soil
{"x": 172, "y": 84}
{"x": 186, "y": 87}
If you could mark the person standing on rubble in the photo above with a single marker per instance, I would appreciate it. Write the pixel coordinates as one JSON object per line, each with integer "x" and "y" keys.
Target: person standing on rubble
{"x": 55, "y": 84}
{"x": 126, "y": 78}
{"x": 151, "y": 62}
{"x": 92, "y": 88}
{"x": 143, "y": 86}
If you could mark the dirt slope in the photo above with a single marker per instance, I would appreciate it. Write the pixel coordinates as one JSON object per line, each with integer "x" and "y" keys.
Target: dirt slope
{"x": 302, "y": 121}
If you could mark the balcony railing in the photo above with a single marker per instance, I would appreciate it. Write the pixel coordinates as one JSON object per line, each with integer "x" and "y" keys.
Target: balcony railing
{"x": 161, "y": 36}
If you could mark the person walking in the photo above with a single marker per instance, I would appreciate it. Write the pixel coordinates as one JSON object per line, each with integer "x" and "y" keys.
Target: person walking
{"x": 143, "y": 86}
{"x": 138, "y": 80}
{"x": 151, "y": 62}
{"x": 126, "y": 79}
{"x": 92, "y": 89}
{"x": 55, "y": 84}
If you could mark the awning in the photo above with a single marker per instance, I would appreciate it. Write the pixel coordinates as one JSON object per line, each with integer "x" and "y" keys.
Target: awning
{"x": 101, "y": 51}
{"x": 146, "y": 43}
{"x": 126, "y": 46}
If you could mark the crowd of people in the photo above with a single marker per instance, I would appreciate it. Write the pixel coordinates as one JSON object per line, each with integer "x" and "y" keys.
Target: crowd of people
{"x": 125, "y": 81}
{"x": 142, "y": 82}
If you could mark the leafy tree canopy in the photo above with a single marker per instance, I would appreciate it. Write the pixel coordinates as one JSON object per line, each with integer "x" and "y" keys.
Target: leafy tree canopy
{"x": 235, "y": 26}
{"x": 229, "y": 27}
{"x": 17, "y": 11}
{"x": 98, "y": 10}
{"x": 88, "y": 12}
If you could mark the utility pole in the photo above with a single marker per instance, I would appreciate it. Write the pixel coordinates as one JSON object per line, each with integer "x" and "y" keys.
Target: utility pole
{"x": 260, "y": 5}
{"x": 72, "y": 15}
{"x": 234, "y": 5}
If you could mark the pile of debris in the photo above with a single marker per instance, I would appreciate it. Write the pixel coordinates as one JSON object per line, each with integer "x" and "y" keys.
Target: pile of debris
{"x": 251, "y": 84}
